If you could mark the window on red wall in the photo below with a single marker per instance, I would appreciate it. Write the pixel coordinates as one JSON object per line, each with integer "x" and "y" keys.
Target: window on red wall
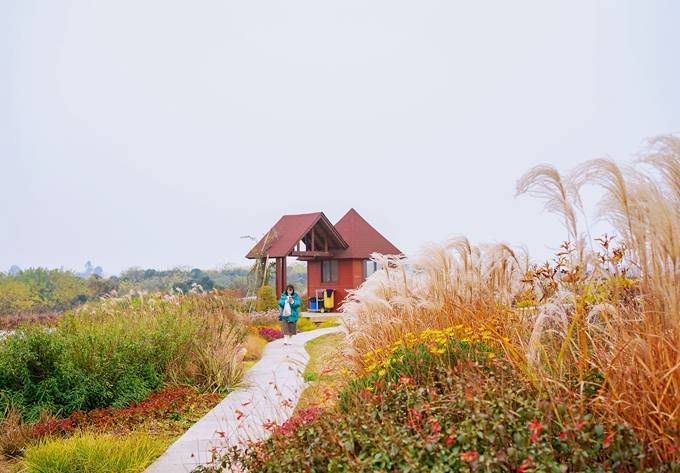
{"x": 370, "y": 267}
{"x": 329, "y": 270}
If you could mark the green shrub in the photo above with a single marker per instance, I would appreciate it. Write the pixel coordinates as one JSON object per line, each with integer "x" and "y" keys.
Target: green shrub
{"x": 93, "y": 454}
{"x": 310, "y": 376}
{"x": 116, "y": 353}
{"x": 15, "y": 296}
{"x": 266, "y": 299}
{"x": 447, "y": 407}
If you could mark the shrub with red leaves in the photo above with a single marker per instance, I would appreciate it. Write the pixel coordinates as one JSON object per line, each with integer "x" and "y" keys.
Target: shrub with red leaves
{"x": 13, "y": 321}
{"x": 299, "y": 418}
{"x": 168, "y": 404}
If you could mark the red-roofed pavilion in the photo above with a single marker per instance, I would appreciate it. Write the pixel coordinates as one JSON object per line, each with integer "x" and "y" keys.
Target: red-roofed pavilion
{"x": 337, "y": 255}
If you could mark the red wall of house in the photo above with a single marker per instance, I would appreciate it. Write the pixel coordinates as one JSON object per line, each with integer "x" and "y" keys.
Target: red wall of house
{"x": 350, "y": 276}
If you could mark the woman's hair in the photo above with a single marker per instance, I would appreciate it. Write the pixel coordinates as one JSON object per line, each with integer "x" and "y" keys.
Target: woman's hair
{"x": 290, "y": 286}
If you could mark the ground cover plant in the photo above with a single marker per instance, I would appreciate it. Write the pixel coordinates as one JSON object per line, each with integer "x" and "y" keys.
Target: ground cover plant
{"x": 166, "y": 413}
{"x": 323, "y": 371}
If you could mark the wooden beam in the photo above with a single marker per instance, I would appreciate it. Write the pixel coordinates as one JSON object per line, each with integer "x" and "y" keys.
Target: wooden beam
{"x": 313, "y": 238}
{"x": 327, "y": 236}
{"x": 324, "y": 239}
{"x": 311, "y": 254}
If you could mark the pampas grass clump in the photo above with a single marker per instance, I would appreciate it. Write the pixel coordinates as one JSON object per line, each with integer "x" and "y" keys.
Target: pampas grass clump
{"x": 601, "y": 321}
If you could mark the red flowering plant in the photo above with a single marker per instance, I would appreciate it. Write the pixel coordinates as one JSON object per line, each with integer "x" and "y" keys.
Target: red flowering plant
{"x": 270, "y": 334}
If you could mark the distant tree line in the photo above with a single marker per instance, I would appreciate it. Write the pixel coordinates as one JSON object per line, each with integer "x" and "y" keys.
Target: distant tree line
{"x": 47, "y": 290}
{"x": 227, "y": 277}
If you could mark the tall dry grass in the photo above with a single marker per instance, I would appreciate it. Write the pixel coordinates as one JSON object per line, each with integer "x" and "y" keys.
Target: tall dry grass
{"x": 447, "y": 284}
{"x": 643, "y": 367}
{"x": 605, "y": 321}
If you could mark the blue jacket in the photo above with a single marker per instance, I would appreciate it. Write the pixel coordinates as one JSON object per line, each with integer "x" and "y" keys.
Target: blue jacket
{"x": 294, "y": 307}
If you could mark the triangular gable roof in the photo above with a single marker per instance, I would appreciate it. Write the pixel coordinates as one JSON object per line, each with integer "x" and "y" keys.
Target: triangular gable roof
{"x": 281, "y": 239}
{"x": 362, "y": 238}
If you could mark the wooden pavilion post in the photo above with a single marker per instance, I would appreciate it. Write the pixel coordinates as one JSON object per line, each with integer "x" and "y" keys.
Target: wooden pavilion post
{"x": 281, "y": 276}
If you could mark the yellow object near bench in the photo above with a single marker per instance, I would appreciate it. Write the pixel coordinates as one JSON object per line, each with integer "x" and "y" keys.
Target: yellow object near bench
{"x": 328, "y": 298}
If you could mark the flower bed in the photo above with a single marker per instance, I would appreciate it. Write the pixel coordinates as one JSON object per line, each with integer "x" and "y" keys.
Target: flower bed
{"x": 440, "y": 403}
{"x": 168, "y": 411}
{"x": 270, "y": 334}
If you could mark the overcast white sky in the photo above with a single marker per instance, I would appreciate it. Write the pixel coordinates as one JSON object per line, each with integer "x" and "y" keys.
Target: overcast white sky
{"x": 155, "y": 133}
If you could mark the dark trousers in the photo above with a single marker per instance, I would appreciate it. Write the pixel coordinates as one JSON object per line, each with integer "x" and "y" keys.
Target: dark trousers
{"x": 288, "y": 328}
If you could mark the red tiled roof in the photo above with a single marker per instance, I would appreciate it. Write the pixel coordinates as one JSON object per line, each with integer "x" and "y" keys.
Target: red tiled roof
{"x": 281, "y": 239}
{"x": 362, "y": 238}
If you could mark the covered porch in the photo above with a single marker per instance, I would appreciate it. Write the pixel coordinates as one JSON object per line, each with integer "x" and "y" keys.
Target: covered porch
{"x": 307, "y": 237}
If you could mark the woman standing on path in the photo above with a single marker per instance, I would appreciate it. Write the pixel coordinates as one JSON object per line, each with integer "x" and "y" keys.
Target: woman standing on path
{"x": 290, "y": 305}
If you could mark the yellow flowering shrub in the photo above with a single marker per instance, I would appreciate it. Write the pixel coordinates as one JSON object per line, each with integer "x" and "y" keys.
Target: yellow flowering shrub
{"x": 437, "y": 342}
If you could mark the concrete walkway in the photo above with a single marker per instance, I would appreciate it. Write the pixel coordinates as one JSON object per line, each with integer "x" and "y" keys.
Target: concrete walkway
{"x": 271, "y": 390}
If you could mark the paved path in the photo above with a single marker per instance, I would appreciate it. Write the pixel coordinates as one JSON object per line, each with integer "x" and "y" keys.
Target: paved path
{"x": 271, "y": 390}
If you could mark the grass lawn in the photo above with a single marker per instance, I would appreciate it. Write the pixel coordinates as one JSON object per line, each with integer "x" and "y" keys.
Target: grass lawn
{"x": 305, "y": 324}
{"x": 323, "y": 371}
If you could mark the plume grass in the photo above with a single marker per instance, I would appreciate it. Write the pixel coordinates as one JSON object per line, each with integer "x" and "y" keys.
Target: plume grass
{"x": 599, "y": 323}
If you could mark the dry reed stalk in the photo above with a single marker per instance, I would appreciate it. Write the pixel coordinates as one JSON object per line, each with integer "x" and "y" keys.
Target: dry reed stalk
{"x": 644, "y": 207}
